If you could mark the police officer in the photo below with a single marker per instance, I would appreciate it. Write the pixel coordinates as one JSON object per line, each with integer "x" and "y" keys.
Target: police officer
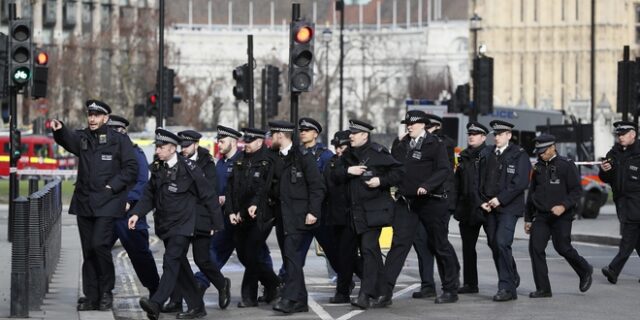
{"x": 620, "y": 170}
{"x": 468, "y": 211}
{"x": 369, "y": 171}
{"x": 176, "y": 190}
{"x": 504, "y": 178}
{"x": 301, "y": 192}
{"x": 190, "y": 149}
{"x": 337, "y": 216}
{"x": 554, "y": 192}
{"x": 423, "y": 194}
{"x": 107, "y": 168}
{"x": 251, "y": 217}
{"x": 136, "y": 242}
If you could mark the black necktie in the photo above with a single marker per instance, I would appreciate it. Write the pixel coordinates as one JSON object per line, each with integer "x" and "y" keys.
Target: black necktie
{"x": 498, "y": 152}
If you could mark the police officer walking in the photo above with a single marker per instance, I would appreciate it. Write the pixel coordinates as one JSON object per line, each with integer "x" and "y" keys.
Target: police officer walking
{"x": 504, "y": 178}
{"x": 369, "y": 171}
{"x": 136, "y": 242}
{"x": 176, "y": 190}
{"x": 422, "y": 201}
{"x": 107, "y": 168}
{"x": 251, "y": 217}
{"x": 554, "y": 192}
{"x": 621, "y": 170}
{"x": 301, "y": 192}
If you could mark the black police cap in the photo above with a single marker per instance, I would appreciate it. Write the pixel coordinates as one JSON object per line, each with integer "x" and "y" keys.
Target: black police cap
{"x": 224, "y": 132}
{"x": 97, "y": 106}
{"x": 281, "y": 126}
{"x": 251, "y": 134}
{"x": 117, "y": 121}
{"x": 189, "y": 137}
{"x": 356, "y": 126}
{"x": 415, "y": 116}
{"x": 434, "y": 120}
{"x": 499, "y": 126}
{"x": 543, "y": 142}
{"x": 309, "y": 124}
{"x": 164, "y": 136}
{"x": 622, "y": 127}
{"x": 341, "y": 138}
{"x": 477, "y": 127}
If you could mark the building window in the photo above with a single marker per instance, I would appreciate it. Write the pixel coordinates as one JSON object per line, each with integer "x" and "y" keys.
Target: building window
{"x": 535, "y": 11}
{"x": 521, "y": 10}
{"x": 577, "y": 10}
{"x": 562, "y": 4}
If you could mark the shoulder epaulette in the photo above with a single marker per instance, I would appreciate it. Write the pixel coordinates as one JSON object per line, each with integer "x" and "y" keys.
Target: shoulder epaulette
{"x": 379, "y": 148}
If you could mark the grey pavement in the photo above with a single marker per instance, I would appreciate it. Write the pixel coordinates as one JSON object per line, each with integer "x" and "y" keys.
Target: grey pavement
{"x": 603, "y": 301}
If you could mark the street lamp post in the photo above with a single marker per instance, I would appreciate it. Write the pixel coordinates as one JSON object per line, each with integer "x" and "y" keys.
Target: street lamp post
{"x": 475, "y": 25}
{"x": 340, "y": 7}
{"x": 326, "y": 38}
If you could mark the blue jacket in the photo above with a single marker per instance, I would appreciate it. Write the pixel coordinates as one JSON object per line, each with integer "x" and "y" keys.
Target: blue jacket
{"x": 223, "y": 169}
{"x": 320, "y": 153}
{"x": 143, "y": 176}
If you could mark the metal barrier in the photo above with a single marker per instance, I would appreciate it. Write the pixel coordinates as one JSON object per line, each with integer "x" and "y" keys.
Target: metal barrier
{"x": 36, "y": 247}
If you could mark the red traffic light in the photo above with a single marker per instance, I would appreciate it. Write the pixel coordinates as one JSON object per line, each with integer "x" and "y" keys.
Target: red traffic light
{"x": 304, "y": 34}
{"x": 153, "y": 99}
{"x": 42, "y": 58}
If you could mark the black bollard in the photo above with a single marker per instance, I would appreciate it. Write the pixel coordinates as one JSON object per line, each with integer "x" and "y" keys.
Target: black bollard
{"x": 19, "y": 260}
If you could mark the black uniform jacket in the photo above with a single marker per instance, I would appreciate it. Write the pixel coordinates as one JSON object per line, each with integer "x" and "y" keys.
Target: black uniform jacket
{"x": 248, "y": 185}
{"x": 105, "y": 157}
{"x": 513, "y": 172}
{"x": 554, "y": 182}
{"x": 624, "y": 178}
{"x": 301, "y": 190}
{"x": 466, "y": 186}
{"x": 204, "y": 221}
{"x": 449, "y": 184}
{"x": 336, "y": 202}
{"x": 175, "y": 194}
{"x": 371, "y": 208}
{"x": 427, "y": 165}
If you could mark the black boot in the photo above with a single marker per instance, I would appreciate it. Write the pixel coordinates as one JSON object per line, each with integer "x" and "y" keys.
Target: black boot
{"x": 383, "y": 301}
{"x": 224, "y": 294}
{"x": 152, "y": 308}
{"x": 362, "y": 301}
{"x": 172, "y": 306}
{"x": 106, "y": 301}
{"x": 192, "y": 313}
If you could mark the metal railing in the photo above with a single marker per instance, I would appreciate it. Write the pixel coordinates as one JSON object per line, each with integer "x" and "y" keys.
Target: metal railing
{"x": 35, "y": 248}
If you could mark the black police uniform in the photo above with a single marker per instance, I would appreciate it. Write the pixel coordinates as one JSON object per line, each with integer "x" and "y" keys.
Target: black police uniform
{"x": 107, "y": 168}
{"x": 554, "y": 182}
{"x": 504, "y": 175}
{"x": 427, "y": 166}
{"x": 248, "y": 185}
{"x": 176, "y": 190}
{"x": 624, "y": 179}
{"x": 337, "y": 216}
{"x": 371, "y": 208}
{"x": 301, "y": 190}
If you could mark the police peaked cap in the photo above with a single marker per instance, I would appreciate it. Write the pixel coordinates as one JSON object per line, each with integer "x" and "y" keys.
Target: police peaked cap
{"x": 281, "y": 126}
{"x": 477, "y": 127}
{"x": 415, "y": 116}
{"x": 224, "y": 132}
{"x": 434, "y": 120}
{"x": 309, "y": 124}
{"x": 341, "y": 138}
{"x": 97, "y": 106}
{"x": 356, "y": 126}
{"x": 164, "y": 136}
{"x": 622, "y": 127}
{"x": 251, "y": 134}
{"x": 499, "y": 126}
{"x": 117, "y": 121}
{"x": 543, "y": 142}
{"x": 189, "y": 137}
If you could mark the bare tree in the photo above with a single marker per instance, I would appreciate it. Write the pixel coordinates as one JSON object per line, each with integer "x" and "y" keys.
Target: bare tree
{"x": 429, "y": 84}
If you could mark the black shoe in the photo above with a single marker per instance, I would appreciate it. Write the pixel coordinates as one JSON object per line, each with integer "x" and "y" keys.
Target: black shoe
{"x": 504, "y": 295}
{"x": 225, "y": 294}
{"x": 424, "y": 293}
{"x": 172, "y": 307}
{"x": 289, "y": 306}
{"x": 611, "y": 276}
{"x": 468, "y": 289}
{"x": 540, "y": 294}
{"x": 270, "y": 294}
{"x": 585, "y": 282}
{"x": 362, "y": 301}
{"x": 106, "y": 301}
{"x": 85, "y": 305}
{"x": 152, "y": 292}
{"x": 383, "y": 301}
{"x": 517, "y": 280}
{"x": 152, "y": 308}
{"x": 447, "y": 297}
{"x": 192, "y": 314}
{"x": 340, "y": 298}
{"x": 247, "y": 304}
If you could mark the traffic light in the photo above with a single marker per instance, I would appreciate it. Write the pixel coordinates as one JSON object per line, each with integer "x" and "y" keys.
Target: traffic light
{"x": 152, "y": 103}
{"x": 15, "y": 142}
{"x": 5, "y": 110}
{"x": 301, "y": 56}
{"x": 21, "y": 57}
{"x": 40, "y": 74}
{"x": 169, "y": 88}
{"x": 3, "y": 66}
{"x": 241, "y": 76}
{"x": 273, "y": 90}
{"x": 483, "y": 85}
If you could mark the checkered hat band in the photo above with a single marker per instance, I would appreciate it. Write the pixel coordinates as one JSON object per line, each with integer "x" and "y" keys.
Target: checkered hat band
{"x": 625, "y": 127}
{"x": 187, "y": 138}
{"x": 307, "y": 124}
{"x": 224, "y": 133}
{"x": 544, "y": 144}
{"x": 414, "y": 119}
{"x": 114, "y": 123}
{"x": 253, "y": 135}
{"x": 476, "y": 129}
{"x": 501, "y": 127}
{"x": 95, "y": 107}
{"x": 355, "y": 126}
{"x": 276, "y": 129}
{"x": 162, "y": 138}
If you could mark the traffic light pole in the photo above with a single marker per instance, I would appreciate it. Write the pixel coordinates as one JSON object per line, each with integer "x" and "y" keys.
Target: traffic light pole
{"x": 251, "y": 96}
{"x": 14, "y": 191}
{"x": 263, "y": 94}
{"x": 161, "y": 98}
{"x": 341, "y": 63}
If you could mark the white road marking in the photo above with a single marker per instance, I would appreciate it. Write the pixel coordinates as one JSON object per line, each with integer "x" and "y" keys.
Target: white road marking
{"x": 405, "y": 290}
{"x": 318, "y": 309}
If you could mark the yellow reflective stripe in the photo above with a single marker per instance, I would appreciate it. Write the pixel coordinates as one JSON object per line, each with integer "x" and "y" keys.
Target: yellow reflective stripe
{"x": 42, "y": 160}
{"x": 4, "y": 158}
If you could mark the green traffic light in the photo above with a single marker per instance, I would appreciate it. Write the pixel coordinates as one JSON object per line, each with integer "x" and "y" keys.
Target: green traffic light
{"x": 21, "y": 75}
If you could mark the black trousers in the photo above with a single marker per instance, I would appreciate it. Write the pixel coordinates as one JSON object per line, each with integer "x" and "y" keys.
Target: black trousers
{"x": 425, "y": 258}
{"x": 250, "y": 239}
{"x": 294, "y": 287}
{"x": 372, "y": 266}
{"x": 404, "y": 225}
{"x": 559, "y": 230}
{"x": 96, "y": 239}
{"x": 469, "y": 233}
{"x": 346, "y": 250}
{"x": 630, "y": 240}
{"x": 136, "y": 243}
{"x": 500, "y": 228}
{"x": 177, "y": 274}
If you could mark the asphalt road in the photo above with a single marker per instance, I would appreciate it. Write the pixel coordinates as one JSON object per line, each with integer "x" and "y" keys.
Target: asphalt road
{"x": 603, "y": 301}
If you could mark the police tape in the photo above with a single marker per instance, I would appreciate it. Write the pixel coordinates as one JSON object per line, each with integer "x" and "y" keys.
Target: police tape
{"x": 47, "y": 172}
{"x": 588, "y": 163}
